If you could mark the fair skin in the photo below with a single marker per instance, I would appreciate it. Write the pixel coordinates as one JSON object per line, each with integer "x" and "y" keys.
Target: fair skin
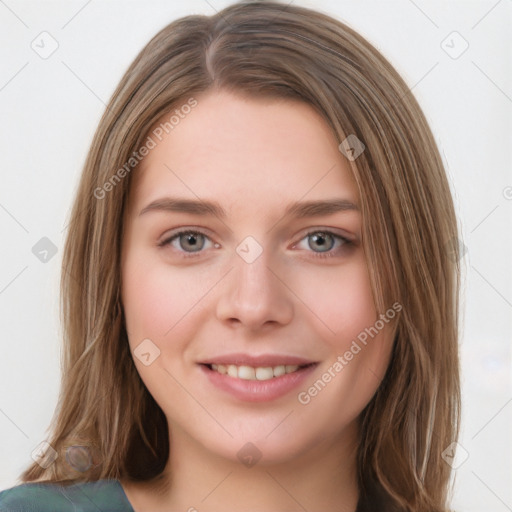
{"x": 304, "y": 296}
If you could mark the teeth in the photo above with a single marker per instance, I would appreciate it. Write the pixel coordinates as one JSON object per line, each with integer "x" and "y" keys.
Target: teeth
{"x": 250, "y": 373}
{"x": 263, "y": 373}
{"x": 246, "y": 372}
{"x": 279, "y": 370}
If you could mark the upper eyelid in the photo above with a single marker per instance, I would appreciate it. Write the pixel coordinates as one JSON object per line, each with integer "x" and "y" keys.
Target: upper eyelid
{"x": 330, "y": 231}
{"x": 169, "y": 235}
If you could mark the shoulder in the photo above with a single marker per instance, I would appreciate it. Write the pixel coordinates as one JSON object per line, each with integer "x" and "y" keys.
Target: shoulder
{"x": 56, "y": 497}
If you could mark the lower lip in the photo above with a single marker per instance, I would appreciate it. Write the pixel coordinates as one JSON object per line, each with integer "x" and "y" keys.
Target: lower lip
{"x": 258, "y": 390}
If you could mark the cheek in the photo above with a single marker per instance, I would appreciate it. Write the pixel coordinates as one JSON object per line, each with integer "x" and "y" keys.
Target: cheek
{"x": 341, "y": 300}
{"x": 158, "y": 303}
{"x": 155, "y": 297}
{"x": 358, "y": 353}
{"x": 148, "y": 310}
{"x": 343, "y": 304}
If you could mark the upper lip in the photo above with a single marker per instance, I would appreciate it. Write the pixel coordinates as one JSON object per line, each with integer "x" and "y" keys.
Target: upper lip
{"x": 263, "y": 360}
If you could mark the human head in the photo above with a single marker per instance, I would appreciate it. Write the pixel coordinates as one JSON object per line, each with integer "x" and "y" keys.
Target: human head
{"x": 265, "y": 50}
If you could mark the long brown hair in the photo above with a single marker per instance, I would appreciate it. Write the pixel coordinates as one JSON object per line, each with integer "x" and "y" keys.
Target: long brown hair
{"x": 269, "y": 50}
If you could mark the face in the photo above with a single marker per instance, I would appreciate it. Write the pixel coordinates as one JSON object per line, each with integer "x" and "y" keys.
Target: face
{"x": 244, "y": 283}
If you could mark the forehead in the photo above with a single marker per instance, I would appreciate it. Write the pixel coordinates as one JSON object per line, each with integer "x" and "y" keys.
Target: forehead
{"x": 245, "y": 153}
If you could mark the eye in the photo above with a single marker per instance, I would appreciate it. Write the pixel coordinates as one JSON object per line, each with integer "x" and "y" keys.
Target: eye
{"x": 325, "y": 243}
{"x": 188, "y": 241}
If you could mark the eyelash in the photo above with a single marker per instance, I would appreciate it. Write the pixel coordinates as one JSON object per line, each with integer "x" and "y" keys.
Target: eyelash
{"x": 346, "y": 243}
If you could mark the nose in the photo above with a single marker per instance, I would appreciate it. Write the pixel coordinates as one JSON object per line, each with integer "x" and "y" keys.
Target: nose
{"x": 254, "y": 295}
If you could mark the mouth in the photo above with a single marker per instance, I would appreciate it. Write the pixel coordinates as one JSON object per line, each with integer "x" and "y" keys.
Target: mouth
{"x": 257, "y": 378}
{"x": 257, "y": 381}
{"x": 260, "y": 373}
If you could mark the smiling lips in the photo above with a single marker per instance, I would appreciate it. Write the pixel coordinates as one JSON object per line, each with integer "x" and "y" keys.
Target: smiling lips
{"x": 264, "y": 367}
{"x": 257, "y": 379}
{"x": 251, "y": 373}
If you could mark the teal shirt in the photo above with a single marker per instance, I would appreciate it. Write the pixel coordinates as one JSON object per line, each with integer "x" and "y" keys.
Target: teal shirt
{"x": 99, "y": 496}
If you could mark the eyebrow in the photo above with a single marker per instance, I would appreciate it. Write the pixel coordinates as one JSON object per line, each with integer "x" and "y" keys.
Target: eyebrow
{"x": 298, "y": 209}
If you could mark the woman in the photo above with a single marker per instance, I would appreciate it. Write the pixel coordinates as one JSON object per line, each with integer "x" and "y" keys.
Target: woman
{"x": 259, "y": 310}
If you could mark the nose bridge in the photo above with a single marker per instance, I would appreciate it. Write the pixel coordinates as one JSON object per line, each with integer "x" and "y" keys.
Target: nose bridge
{"x": 254, "y": 276}
{"x": 253, "y": 294}
{"x": 255, "y": 286}
{"x": 251, "y": 263}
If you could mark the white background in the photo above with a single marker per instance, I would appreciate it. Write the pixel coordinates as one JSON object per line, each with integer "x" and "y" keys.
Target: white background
{"x": 49, "y": 109}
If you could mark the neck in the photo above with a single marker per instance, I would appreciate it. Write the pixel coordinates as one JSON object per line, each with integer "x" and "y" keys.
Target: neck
{"x": 195, "y": 479}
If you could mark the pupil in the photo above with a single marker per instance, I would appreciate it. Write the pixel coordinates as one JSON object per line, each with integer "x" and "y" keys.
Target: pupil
{"x": 192, "y": 241}
{"x": 320, "y": 239}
